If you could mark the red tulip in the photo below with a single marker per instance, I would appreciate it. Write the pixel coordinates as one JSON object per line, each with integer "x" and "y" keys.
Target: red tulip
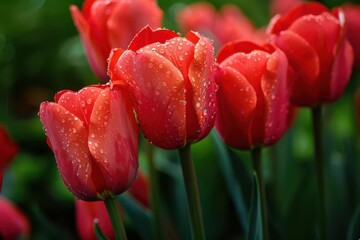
{"x": 13, "y": 223}
{"x": 229, "y": 24}
{"x": 320, "y": 57}
{"x": 8, "y": 149}
{"x": 171, "y": 81}
{"x": 140, "y": 190}
{"x": 104, "y": 25}
{"x": 253, "y": 97}
{"x": 352, "y": 15}
{"x": 94, "y": 136}
{"x": 89, "y": 212}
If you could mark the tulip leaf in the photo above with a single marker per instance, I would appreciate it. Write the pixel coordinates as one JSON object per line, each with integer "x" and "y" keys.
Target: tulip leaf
{"x": 255, "y": 222}
{"x": 354, "y": 232}
{"x": 232, "y": 184}
{"x": 140, "y": 218}
{"x": 98, "y": 233}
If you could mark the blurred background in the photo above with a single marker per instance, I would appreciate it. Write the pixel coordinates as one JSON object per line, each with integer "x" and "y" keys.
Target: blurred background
{"x": 41, "y": 53}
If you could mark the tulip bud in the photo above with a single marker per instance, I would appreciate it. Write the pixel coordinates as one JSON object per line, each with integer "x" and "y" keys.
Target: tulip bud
{"x": 253, "y": 97}
{"x": 320, "y": 57}
{"x": 170, "y": 79}
{"x": 13, "y": 223}
{"x": 94, "y": 136}
{"x": 104, "y": 25}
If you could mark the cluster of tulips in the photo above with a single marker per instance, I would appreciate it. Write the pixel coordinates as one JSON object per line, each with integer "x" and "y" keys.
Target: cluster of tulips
{"x": 222, "y": 73}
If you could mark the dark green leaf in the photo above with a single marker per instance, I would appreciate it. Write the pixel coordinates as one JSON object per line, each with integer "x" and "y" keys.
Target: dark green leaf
{"x": 98, "y": 232}
{"x": 354, "y": 228}
{"x": 141, "y": 219}
{"x": 233, "y": 187}
{"x": 255, "y": 222}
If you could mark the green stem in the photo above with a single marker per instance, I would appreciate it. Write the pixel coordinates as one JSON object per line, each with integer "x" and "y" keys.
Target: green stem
{"x": 154, "y": 193}
{"x": 256, "y": 161}
{"x": 319, "y": 162}
{"x": 113, "y": 211}
{"x": 192, "y": 193}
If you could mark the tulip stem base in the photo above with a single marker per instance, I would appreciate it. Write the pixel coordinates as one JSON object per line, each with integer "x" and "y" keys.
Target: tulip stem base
{"x": 256, "y": 162}
{"x": 116, "y": 221}
{"x": 154, "y": 193}
{"x": 319, "y": 162}
{"x": 192, "y": 193}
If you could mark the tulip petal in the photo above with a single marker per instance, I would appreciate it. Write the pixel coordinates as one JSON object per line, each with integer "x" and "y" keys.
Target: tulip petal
{"x": 86, "y": 8}
{"x": 285, "y": 21}
{"x": 234, "y": 116}
{"x": 252, "y": 66}
{"x": 14, "y": 224}
{"x": 115, "y": 54}
{"x": 202, "y": 98}
{"x": 80, "y": 104}
{"x": 234, "y": 47}
{"x": 276, "y": 95}
{"x": 125, "y": 16}
{"x": 113, "y": 140}
{"x": 163, "y": 100}
{"x": 97, "y": 53}
{"x": 341, "y": 71}
{"x": 179, "y": 51}
{"x": 68, "y": 138}
{"x": 323, "y": 36}
{"x": 304, "y": 60}
{"x": 148, "y": 36}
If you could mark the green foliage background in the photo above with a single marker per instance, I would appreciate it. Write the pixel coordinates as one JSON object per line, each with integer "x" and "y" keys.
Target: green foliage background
{"x": 41, "y": 53}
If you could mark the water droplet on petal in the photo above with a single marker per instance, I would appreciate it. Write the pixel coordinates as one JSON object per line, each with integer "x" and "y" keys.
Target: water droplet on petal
{"x": 182, "y": 102}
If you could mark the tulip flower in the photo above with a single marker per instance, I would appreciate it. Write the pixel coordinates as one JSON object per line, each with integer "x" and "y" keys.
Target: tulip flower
{"x": 320, "y": 63}
{"x": 352, "y": 16}
{"x": 171, "y": 81}
{"x": 13, "y": 223}
{"x": 253, "y": 101}
{"x": 8, "y": 149}
{"x": 104, "y": 25}
{"x": 253, "y": 95}
{"x": 87, "y": 213}
{"x": 228, "y": 24}
{"x": 94, "y": 136}
{"x": 320, "y": 57}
